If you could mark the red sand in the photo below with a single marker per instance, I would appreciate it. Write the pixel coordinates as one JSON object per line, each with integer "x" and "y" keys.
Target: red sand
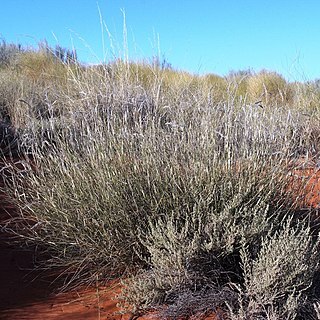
{"x": 312, "y": 188}
{"x": 26, "y": 296}
{"x": 22, "y": 296}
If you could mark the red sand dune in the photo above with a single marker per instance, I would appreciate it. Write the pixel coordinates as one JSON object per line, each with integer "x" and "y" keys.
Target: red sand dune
{"x": 25, "y": 295}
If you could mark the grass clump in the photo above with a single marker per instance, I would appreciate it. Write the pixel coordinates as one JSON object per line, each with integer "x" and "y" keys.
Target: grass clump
{"x": 170, "y": 179}
{"x": 269, "y": 87}
{"x": 8, "y": 53}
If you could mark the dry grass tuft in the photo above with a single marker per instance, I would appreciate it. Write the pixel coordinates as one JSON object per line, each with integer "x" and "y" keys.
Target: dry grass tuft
{"x": 174, "y": 180}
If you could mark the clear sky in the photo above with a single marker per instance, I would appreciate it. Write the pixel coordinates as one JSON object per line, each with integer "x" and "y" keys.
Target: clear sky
{"x": 199, "y": 36}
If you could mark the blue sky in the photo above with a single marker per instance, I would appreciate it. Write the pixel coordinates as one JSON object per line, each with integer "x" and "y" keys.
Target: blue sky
{"x": 199, "y": 36}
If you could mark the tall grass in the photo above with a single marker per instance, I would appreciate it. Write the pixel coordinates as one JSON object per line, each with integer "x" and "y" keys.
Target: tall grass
{"x": 171, "y": 180}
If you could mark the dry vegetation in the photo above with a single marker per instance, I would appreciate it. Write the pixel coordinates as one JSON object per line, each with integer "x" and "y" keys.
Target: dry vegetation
{"x": 178, "y": 183}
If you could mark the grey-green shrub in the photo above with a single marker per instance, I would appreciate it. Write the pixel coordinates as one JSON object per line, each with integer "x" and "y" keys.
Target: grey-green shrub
{"x": 277, "y": 278}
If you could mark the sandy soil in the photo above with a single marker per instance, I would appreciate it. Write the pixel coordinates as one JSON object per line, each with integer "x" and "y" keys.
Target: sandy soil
{"x": 309, "y": 172}
{"x": 28, "y": 295}
{"x": 25, "y": 295}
